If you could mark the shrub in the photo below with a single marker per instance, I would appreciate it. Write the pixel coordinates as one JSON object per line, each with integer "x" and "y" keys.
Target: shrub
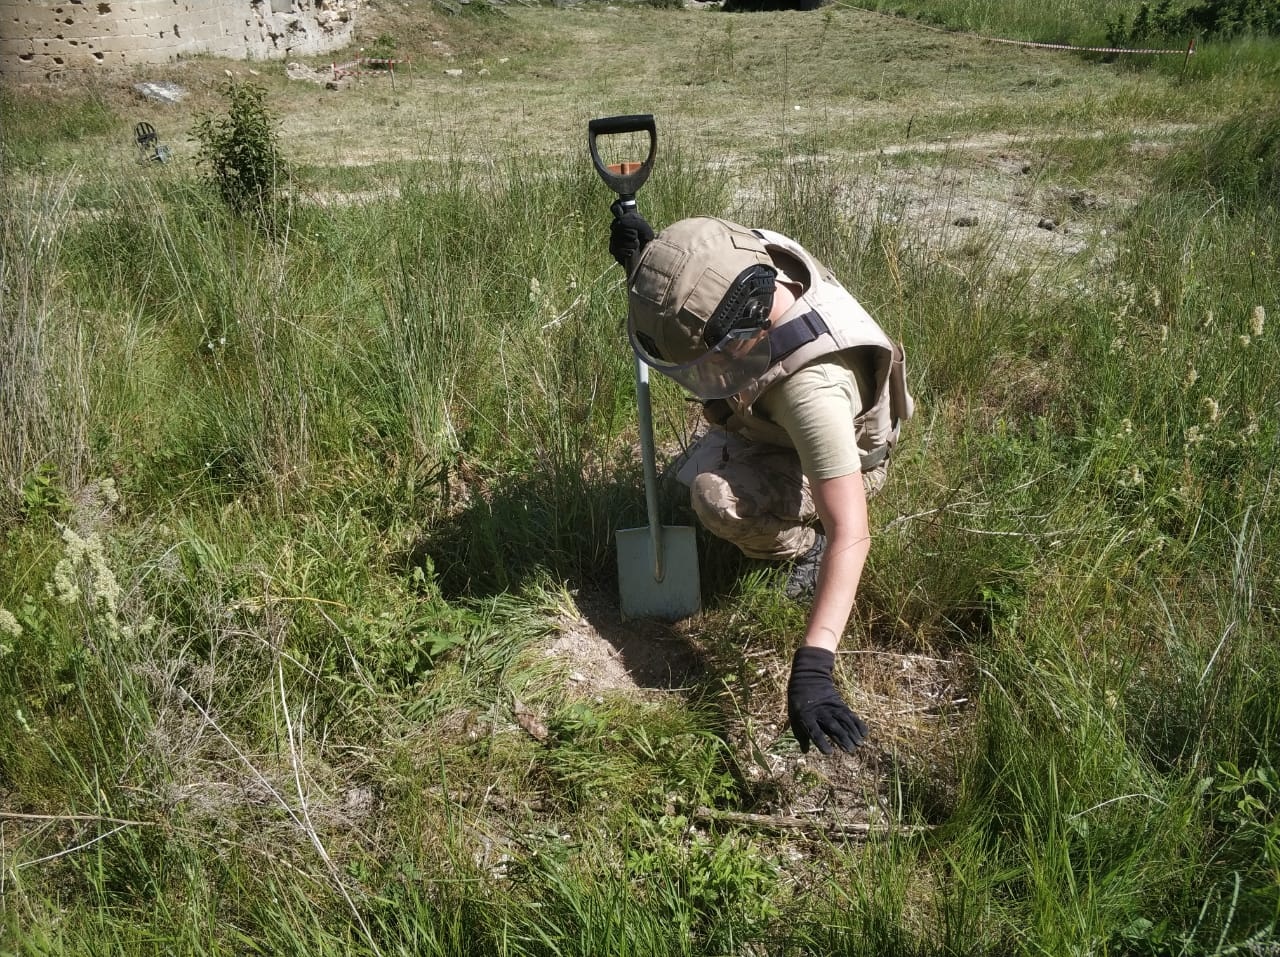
{"x": 383, "y": 48}
{"x": 241, "y": 150}
{"x": 1160, "y": 22}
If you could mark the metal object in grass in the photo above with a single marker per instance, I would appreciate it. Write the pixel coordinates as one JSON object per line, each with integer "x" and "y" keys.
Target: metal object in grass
{"x": 657, "y": 564}
{"x": 149, "y": 145}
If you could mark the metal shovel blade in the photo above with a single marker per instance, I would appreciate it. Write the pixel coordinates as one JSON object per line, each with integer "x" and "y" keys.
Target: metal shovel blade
{"x": 657, "y": 564}
{"x": 640, "y": 593}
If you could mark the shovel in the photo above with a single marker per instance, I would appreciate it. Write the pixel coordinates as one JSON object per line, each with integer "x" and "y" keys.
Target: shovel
{"x": 657, "y": 564}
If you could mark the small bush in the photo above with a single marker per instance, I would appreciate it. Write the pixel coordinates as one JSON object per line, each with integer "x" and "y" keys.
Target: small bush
{"x": 241, "y": 150}
{"x": 383, "y": 48}
{"x": 1229, "y": 18}
{"x": 1160, "y": 22}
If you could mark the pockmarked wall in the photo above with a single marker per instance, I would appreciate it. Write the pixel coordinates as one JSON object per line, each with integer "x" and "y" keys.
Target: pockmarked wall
{"x": 41, "y": 37}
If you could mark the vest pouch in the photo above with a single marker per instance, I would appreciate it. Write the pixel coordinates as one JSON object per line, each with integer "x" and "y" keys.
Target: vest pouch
{"x": 875, "y": 436}
{"x": 901, "y": 405}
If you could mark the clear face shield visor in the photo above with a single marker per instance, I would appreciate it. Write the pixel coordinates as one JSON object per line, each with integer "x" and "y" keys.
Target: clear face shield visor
{"x": 733, "y": 363}
{"x": 736, "y": 337}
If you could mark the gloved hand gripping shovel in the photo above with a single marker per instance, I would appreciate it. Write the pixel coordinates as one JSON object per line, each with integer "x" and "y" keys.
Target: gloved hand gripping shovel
{"x": 657, "y": 565}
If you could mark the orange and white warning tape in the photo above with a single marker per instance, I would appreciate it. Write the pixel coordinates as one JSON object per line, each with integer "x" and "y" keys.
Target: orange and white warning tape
{"x": 1191, "y": 46}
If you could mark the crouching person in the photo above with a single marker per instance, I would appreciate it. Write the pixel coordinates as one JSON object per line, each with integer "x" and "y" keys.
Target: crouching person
{"x": 805, "y": 395}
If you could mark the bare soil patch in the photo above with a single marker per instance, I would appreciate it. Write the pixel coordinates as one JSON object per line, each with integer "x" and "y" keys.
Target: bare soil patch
{"x": 605, "y": 653}
{"x": 916, "y": 706}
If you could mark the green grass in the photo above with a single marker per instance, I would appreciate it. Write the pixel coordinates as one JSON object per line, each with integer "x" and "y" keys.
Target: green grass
{"x": 33, "y": 132}
{"x": 1087, "y": 23}
{"x": 288, "y": 520}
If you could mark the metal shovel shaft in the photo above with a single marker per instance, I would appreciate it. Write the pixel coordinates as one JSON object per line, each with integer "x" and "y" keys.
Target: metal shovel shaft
{"x": 657, "y": 564}
{"x": 649, "y": 461}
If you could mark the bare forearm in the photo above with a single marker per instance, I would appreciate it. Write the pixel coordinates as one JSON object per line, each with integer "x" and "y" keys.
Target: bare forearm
{"x": 817, "y": 713}
{"x": 842, "y": 507}
{"x": 836, "y": 589}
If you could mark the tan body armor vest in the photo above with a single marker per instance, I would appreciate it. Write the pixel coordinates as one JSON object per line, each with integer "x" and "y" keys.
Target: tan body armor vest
{"x": 826, "y": 320}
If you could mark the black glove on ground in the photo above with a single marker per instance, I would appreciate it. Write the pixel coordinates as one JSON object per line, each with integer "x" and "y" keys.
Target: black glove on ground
{"x": 628, "y": 234}
{"x": 817, "y": 713}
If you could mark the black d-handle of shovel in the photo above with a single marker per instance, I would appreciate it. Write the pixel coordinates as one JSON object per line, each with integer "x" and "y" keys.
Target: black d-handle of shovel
{"x": 624, "y": 178}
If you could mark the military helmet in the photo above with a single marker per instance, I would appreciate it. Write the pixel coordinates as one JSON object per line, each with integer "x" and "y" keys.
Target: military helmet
{"x": 699, "y": 299}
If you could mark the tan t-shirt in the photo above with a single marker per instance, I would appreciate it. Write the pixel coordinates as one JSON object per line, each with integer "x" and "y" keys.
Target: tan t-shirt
{"x": 817, "y": 406}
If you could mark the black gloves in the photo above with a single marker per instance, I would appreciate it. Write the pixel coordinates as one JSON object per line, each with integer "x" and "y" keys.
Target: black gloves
{"x": 817, "y": 713}
{"x": 628, "y": 233}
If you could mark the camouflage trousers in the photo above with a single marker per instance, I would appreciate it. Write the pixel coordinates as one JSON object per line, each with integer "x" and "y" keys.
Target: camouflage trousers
{"x": 754, "y": 494}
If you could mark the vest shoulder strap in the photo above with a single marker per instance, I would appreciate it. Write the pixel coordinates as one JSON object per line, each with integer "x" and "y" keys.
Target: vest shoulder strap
{"x": 794, "y": 334}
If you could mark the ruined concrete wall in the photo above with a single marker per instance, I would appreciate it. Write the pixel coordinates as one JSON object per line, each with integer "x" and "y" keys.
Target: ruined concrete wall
{"x": 48, "y": 37}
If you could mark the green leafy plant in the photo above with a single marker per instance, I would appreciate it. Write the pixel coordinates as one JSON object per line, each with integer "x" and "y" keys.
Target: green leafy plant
{"x": 1149, "y": 23}
{"x": 1160, "y": 21}
{"x": 726, "y": 879}
{"x": 1226, "y": 18}
{"x": 42, "y": 493}
{"x": 241, "y": 150}
{"x": 383, "y": 48}
{"x": 401, "y": 644}
{"x": 1247, "y": 801}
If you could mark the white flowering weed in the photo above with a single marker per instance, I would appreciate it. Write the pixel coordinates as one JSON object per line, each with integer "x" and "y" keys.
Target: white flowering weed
{"x": 83, "y": 573}
{"x": 9, "y": 628}
{"x": 1132, "y": 477}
